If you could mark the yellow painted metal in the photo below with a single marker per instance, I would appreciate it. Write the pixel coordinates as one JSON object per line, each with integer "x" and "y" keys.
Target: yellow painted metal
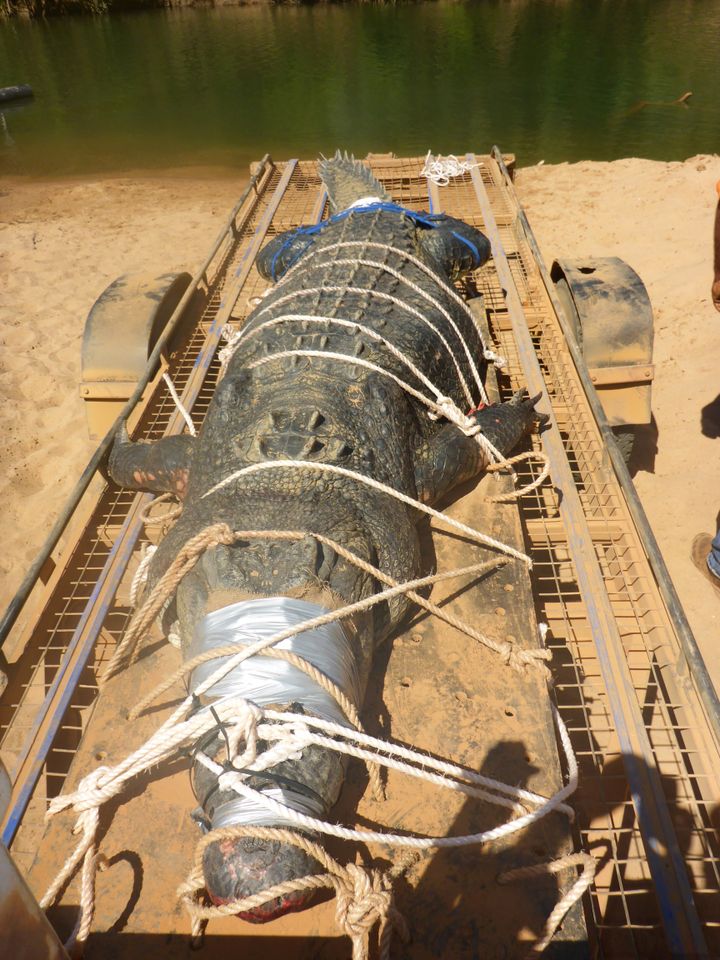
{"x": 627, "y": 374}
{"x": 622, "y": 908}
{"x": 120, "y": 333}
{"x": 609, "y": 309}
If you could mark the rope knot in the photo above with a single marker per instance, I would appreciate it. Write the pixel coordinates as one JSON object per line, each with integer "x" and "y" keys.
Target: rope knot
{"x": 90, "y": 794}
{"x": 519, "y": 659}
{"x": 494, "y": 358}
{"x": 92, "y": 785}
{"x": 242, "y": 727}
{"x": 215, "y": 535}
{"x": 446, "y": 407}
{"x": 364, "y": 898}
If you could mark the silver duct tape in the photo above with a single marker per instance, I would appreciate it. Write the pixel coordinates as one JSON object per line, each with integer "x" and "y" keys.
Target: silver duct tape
{"x": 244, "y": 810}
{"x": 264, "y": 680}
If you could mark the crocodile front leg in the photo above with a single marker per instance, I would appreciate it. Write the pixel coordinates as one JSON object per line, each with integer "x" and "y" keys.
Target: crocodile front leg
{"x": 450, "y": 458}
{"x": 161, "y": 467}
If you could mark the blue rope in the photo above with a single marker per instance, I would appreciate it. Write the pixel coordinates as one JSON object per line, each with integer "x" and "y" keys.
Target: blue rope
{"x": 431, "y": 220}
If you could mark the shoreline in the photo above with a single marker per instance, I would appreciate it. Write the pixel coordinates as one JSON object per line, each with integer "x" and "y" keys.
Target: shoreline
{"x": 206, "y": 173}
{"x": 63, "y": 240}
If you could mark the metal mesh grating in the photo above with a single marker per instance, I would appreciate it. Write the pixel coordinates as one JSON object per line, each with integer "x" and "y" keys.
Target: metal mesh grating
{"x": 37, "y": 667}
{"x": 622, "y": 908}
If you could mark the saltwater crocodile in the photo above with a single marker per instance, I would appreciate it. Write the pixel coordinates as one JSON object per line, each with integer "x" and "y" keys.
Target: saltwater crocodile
{"x": 287, "y": 394}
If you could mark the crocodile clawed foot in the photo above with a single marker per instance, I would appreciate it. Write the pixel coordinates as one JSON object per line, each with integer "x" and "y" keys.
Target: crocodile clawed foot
{"x": 521, "y": 400}
{"x": 505, "y": 424}
{"x": 236, "y": 869}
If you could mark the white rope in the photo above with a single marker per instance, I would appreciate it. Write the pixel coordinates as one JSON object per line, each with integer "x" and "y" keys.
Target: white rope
{"x": 287, "y": 735}
{"x": 518, "y": 659}
{"x": 386, "y": 268}
{"x": 379, "y": 294}
{"x": 442, "y": 407}
{"x": 138, "y": 582}
{"x": 178, "y": 403}
{"x": 174, "y": 637}
{"x": 446, "y": 406}
{"x": 375, "y": 485}
{"x": 426, "y": 762}
{"x": 301, "y": 737}
{"x": 141, "y": 574}
{"x": 351, "y": 325}
{"x": 103, "y": 784}
{"x": 406, "y": 255}
{"x": 560, "y": 910}
{"x": 247, "y": 332}
{"x": 296, "y": 731}
{"x": 440, "y": 170}
{"x": 365, "y": 202}
{"x": 228, "y": 332}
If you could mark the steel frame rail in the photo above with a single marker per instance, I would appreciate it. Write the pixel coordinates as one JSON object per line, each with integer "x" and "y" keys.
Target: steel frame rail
{"x": 16, "y": 604}
{"x": 681, "y": 922}
{"x": 49, "y": 717}
{"x": 690, "y": 650}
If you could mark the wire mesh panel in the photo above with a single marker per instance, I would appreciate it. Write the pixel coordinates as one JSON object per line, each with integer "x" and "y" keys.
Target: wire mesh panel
{"x": 622, "y": 908}
{"x": 47, "y": 646}
{"x": 623, "y": 905}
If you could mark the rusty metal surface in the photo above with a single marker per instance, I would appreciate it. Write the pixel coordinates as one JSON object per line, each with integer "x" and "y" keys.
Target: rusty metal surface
{"x": 622, "y": 910}
{"x": 610, "y": 310}
{"x": 431, "y": 687}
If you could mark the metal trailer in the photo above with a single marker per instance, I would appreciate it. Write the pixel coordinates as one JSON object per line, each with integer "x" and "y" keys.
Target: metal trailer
{"x": 629, "y": 682}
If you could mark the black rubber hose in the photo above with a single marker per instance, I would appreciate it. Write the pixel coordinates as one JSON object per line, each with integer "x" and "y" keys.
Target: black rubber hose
{"x": 19, "y": 92}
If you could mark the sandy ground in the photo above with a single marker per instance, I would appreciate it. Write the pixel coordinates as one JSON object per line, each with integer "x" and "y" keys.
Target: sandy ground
{"x": 62, "y": 243}
{"x": 659, "y": 218}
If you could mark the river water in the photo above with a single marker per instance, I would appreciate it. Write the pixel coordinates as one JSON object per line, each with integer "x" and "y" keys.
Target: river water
{"x": 560, "y": 80}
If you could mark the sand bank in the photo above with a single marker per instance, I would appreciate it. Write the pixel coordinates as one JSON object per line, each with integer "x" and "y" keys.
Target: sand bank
{"x": 62, "y": 243}
{"x": 659, "y": 218}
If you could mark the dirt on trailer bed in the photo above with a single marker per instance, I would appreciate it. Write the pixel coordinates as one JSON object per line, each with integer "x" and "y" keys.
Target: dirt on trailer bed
{"x": 440, "y": 692}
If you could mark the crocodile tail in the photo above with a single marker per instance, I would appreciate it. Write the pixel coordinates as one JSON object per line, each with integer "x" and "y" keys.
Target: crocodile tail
{"x": 348, "y": 180}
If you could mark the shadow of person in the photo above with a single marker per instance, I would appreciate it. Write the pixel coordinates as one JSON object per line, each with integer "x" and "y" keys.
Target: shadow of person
{"x": 710, "y": 419}
{"x": 457, "y": 908}
{"x": 626, "y": 895}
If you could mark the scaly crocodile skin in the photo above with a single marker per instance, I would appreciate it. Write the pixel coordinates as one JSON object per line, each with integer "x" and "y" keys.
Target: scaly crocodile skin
{"x": 323, "y": 411}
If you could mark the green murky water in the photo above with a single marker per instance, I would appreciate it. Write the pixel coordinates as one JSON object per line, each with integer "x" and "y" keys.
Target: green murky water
{"x": 547, "y": 80}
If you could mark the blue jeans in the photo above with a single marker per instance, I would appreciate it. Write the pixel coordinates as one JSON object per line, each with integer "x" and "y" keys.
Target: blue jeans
{"x": 713, "y": 560}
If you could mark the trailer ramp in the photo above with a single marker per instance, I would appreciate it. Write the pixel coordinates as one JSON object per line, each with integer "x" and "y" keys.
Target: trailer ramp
{"x": 648, "y": 759}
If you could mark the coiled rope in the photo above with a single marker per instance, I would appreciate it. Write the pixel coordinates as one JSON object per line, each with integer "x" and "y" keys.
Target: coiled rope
{"x": 441, "y": 170}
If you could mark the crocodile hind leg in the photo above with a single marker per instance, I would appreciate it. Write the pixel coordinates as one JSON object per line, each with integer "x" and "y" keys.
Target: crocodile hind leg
{"x": 161, "y": 467}
{"x": 451, "y": 457}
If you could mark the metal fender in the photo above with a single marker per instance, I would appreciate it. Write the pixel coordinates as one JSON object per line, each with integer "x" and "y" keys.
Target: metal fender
{"x": 609, "y": 310}
{"x": 120, "y": 333}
